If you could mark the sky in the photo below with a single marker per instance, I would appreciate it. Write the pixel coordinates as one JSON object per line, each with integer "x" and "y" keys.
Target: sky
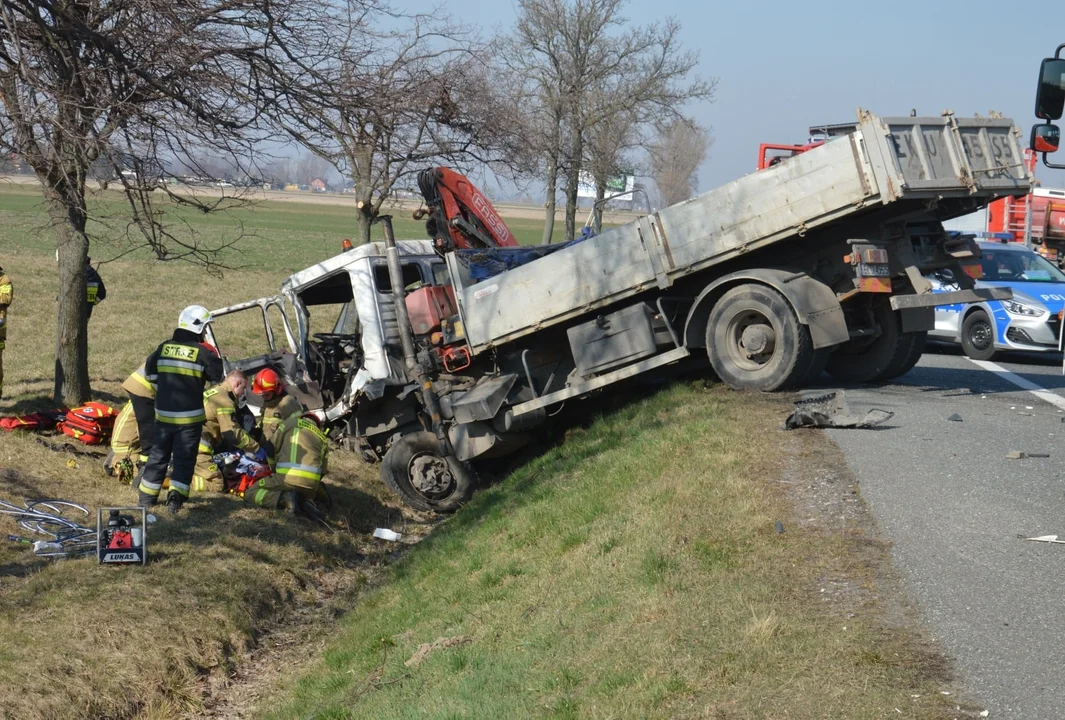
{"x": 783, "y": 66}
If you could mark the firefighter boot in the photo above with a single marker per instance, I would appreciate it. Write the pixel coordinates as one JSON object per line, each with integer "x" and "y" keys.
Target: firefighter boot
{"x": 174, "y": 501}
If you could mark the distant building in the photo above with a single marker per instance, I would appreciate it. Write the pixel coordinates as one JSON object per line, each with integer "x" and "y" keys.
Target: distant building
{"x": 318, "y": 185}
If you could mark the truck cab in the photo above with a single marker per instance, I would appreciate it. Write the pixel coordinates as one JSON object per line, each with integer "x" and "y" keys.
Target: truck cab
{"x": 333, "y": 335}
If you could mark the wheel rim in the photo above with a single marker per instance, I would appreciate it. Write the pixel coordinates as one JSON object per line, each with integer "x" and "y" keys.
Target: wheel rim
{"x": 981, "y": 336}
{"x": 751, "y": 340}
{"x": 430, "y": 475}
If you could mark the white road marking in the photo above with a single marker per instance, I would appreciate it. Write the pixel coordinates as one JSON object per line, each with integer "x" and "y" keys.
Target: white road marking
{"x": 1040, "y": 392}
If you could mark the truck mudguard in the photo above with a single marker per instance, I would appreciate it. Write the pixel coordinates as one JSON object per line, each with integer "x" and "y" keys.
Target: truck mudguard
{"x": 814, "y": 303}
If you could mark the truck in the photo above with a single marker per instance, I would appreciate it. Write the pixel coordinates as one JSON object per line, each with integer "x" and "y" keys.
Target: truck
{"x": 434, "y": 356}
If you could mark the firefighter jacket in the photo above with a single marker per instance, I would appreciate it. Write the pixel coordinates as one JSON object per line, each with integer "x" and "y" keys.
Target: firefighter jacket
{"x": 94, "y": 286}
{"x": 182, "y": 367}
{"x": 5, "y": 300}
{"x": 301, "y": 461}
{"x": 125, "y": 438}
{"x": 222, "y": 431}
{"x": 139, "y": 384}
{"x": 278, "y": 414}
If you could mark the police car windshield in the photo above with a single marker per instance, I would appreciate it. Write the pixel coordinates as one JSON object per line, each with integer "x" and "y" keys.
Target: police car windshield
{"x": 1018, "y": 266}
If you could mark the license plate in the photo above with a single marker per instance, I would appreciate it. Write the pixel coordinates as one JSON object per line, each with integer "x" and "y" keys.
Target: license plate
{"x": 874, "y": 270}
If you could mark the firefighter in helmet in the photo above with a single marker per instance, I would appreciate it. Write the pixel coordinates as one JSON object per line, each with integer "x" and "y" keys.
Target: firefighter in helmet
{"x": 222, "y": 431}
{"x": 182, "y": 367}
{"x": 5, "y": 301}
{"x": 296, "y": 484}
{"x": 279, "y": 410}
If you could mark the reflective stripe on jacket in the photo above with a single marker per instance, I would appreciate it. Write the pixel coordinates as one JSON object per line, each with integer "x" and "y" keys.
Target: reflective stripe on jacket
{"x": 181, "y": 368}
{"x": 278, "y": 415}
{"x": 138, "y": 384}
{"x": 303, "y": 456}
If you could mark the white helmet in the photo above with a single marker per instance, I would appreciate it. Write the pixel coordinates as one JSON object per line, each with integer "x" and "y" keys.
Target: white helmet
{"x": 194, "y": 318}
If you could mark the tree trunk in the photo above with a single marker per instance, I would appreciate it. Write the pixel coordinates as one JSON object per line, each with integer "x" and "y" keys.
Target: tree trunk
{"x": 362, "y": 177}
{"x": 551, "y": 192}
{"x": 600, "y": 194}
{"x": 66, "y": 208}
{"x": 573, "y": 179}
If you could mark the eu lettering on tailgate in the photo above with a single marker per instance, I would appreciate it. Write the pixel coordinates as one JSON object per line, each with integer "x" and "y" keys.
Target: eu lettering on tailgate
{"x": 180, "y": 352}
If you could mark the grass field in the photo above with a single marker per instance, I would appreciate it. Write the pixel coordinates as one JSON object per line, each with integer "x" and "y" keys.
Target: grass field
{"x": 631, "y": 571}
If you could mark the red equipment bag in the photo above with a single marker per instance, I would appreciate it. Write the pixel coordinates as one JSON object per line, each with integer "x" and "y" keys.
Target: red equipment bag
{"x": 34, "y": 422}
{"x": 91, "y": 423}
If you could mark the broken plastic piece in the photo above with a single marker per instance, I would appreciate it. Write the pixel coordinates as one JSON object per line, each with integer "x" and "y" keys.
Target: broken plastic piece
{"x": 955, "y": 418}
{"x": 1047, "y": 539}
{"x": 386, "y": 534}
{"x": 830, "y": 410}
{"x": 1016, "y": 455}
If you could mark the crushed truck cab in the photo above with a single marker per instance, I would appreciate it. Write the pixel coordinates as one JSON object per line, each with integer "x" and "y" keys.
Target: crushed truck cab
{"x": 432, "y": 356}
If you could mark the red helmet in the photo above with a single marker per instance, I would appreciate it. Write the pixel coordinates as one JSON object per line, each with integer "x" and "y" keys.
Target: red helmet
{"x": 267, "y": 383}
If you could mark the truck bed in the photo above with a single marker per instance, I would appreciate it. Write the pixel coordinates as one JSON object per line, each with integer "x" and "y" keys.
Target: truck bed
{"x": 885, "y": 161}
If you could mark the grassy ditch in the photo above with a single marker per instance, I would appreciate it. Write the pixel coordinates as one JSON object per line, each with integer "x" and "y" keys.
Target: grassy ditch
{"x": 633, "y": 571}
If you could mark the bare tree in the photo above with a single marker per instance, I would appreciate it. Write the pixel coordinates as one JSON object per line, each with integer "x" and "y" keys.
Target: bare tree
{"x": 588, "y": 67}
{"x": 406, "y": 93}
{"x": 675, "y": 157}
{"x": 137, "y": 85}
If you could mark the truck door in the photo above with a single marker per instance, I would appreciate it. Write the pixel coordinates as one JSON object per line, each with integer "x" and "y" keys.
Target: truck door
{"x": 257, "y": 334}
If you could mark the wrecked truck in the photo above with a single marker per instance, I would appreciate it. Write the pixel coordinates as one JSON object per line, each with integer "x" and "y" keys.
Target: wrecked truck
{"x": 431, "y": 356}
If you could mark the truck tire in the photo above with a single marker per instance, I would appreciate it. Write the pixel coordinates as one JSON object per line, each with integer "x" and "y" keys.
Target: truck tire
{"x": 862, "y": 360}
{"x": 416, "y": 470}
{"x": 916, "y": 341}
{"x": 978, "y": 336}
{"x": 755, "y": 341}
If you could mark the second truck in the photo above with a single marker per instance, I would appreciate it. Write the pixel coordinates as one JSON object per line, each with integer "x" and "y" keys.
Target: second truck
{"x": 431, "y": 356}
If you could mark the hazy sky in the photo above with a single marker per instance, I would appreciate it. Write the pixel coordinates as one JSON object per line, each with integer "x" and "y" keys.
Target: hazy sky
{"x": 783, "y": 66}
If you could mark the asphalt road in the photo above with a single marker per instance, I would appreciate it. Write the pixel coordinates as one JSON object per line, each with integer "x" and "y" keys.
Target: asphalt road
{"x": 954, "y": 507}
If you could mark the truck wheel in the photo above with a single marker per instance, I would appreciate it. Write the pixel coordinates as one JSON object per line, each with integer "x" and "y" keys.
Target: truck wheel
{"x": 916, "y": 342}
{"x": 978, "y": 336}
{"x": 416, "y": 470}
{"x": 865, "y": 360}
{"x": 756, "y": 342}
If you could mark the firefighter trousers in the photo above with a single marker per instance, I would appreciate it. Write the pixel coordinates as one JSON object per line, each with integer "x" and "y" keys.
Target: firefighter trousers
{"x": 176, "y": 443}
{"x": 144, "y": 411}
{"x": 270, "y": 492}
{"x": 2, "y": 342}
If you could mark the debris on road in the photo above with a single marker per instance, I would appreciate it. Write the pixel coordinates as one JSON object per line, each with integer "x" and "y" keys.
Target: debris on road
{"x": 1053, "y": 539}
{"x": 955, "y": 418}
{"x": 1016, "y": 455}
{"x": 830, "y": 410}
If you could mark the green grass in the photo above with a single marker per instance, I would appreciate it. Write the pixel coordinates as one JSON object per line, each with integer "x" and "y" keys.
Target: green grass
{"x": 633, "y": 571}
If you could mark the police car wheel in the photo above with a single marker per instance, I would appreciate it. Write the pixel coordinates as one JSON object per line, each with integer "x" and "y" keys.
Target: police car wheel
{"x": 978, "y": 336}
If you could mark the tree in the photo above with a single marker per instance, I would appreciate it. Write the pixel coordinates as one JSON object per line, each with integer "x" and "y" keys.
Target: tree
{"x": 406, "y": 93}
{"x": 137, "y": 85}
{"x": 589, "y": 68}
{"x": 675, "y": 157}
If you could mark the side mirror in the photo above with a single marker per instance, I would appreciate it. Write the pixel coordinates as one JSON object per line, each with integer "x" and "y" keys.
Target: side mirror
{"x": 1050, "y": 93}
{"x": 1045, "y": 138}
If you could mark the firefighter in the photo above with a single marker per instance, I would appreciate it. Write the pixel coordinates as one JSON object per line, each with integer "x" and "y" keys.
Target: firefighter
{"x": 5, "y": 302}
{"x": 136, "y": 437}
{"x": 125, "y": 458}
{"x": 95, "y": 290}
{"x": 296, "y": 484}
{"x": 279, "y": 409}
{"x": 182, "y": 367}
{"x": 222, "y": 432}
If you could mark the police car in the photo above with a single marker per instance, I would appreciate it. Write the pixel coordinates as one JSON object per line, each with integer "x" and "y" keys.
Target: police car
{"x": 1031, "y": 321}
